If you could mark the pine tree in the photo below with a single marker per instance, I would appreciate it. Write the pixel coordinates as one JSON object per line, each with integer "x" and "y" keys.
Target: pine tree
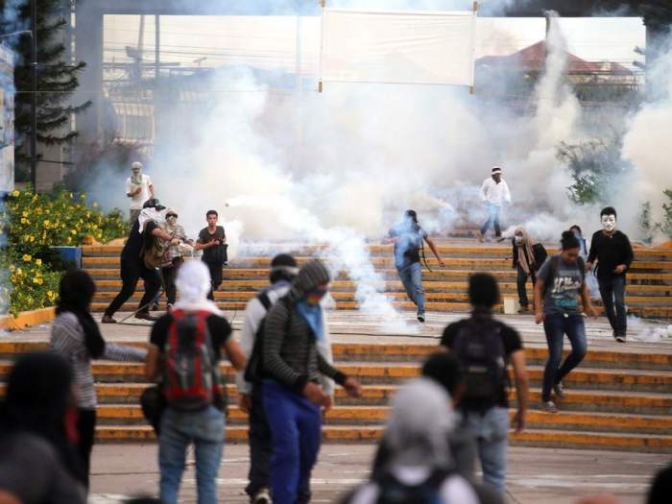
{"x": 56, "y": 77}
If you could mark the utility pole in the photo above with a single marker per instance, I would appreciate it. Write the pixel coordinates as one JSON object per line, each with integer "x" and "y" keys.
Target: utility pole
{"x": 33, "y": 99}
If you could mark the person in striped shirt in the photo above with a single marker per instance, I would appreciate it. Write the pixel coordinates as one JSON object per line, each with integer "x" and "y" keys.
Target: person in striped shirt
{"x": 75, "y": 335}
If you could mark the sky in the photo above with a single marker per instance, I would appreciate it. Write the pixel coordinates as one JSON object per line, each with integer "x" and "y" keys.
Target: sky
{"x": 186, "y": 40}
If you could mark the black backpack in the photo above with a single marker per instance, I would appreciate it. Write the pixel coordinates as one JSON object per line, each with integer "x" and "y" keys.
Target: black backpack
{"x": 393, "y": 491}
{"x": 479, "y": 348}
{"x": 254, "y": 370}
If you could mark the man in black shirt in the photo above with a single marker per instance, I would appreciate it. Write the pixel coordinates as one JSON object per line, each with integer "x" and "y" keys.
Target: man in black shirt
{"x": 133, "y": 265}
{"x": 485, "y": 417}
{"x": 212, "y": 241}
{"x": 614, "y": 256}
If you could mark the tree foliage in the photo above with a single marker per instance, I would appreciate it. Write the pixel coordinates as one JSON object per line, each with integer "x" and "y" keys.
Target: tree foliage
{"x": 57, "y": 78}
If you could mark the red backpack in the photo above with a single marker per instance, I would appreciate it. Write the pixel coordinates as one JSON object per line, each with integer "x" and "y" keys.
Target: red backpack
{"x": 192, "y": 379}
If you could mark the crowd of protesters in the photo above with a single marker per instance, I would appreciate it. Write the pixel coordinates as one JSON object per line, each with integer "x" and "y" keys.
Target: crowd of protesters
{"x": 439, "y": 425}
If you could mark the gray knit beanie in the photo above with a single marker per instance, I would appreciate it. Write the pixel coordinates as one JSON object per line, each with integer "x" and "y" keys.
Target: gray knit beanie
{"x": 311, "y": 274}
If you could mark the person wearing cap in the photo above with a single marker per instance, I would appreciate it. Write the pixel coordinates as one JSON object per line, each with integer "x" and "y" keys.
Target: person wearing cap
{"x": 494, "y": 192}
{"x": 173, "y": 255}
{"x": 147, "y": 226}
{"x": 139, "y": 188}
{"x": 250, "y": 394}
{"x": 408, "y": 238}
{"x": 293, "y": 364}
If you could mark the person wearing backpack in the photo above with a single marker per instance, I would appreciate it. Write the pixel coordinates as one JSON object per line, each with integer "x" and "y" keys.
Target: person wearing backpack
{"x": 484, "y": 347}
{"x": 145, "y": 229}
{"x": 408, "y": 238}
{"x": 418, "y": 469}
{"x": 527, "y": 259}
{"x": 292, "y": 365}
{"x": 560, "y": 285}
{"x": 250, "y": 385}
{"x": 186, "y": 346}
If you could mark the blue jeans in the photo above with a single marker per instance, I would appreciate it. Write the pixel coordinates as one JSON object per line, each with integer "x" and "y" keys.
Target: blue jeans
{"x": 556, "y": 325}
{"x": 490, "y": 430}
{"x": 493, "y": 220}
{"x": 296, "y": 430}
{"x": 411, "y": 277}
{"x": 180, "y": 428}
{"x": 612, "y": 292}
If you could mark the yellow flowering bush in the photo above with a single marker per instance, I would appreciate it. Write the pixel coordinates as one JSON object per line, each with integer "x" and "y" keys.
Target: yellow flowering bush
{"x": 32, "y": 223}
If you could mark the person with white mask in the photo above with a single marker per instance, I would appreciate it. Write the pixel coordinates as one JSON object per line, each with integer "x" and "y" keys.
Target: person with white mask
{"x": 174, "y": 255}
{"x": 139, "y": 189}
{"x": 420, "y": 421}
{"x": 185, "y": 347}
{"x": 146, "y": 228}
{"x": 613, "y": 252}
{"x": 494, "y": 192}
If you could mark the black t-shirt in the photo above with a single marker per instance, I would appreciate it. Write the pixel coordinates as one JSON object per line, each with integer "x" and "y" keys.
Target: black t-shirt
{"x": 219, "y": 327}
{"x": 212, "y": 254}
{"x": 610, "y": 251}
{"x": 136, "y": 239}
{"x": 512, "y": 343}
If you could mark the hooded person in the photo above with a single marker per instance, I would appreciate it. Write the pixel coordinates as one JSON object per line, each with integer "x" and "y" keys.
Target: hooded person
{"x": 526, "y": 260}
{"x": 417, "y": 431}
{"x": 293, "y": 365}
{"x": 282, "y": 273}
{"x": 76, "y": 337}
{"x": 139, "y": 189}
{"x": 39, "y": 462}
{"x": 194, "y": 318}
{"x": 144, "y": 233}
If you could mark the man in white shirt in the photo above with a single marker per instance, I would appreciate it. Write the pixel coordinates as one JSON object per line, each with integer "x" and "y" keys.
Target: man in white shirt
{"x": 494, "y": 192}
{"x": 140, "y": 189}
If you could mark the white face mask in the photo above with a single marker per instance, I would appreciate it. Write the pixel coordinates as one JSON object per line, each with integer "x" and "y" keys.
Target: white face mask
{"x": 518, "y": 240}
{"x": 609, "y": 223}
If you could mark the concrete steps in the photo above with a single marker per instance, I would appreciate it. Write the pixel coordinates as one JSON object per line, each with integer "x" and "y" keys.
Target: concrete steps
{"x": 649, "y": 292}
{"x": 615, "y": 400}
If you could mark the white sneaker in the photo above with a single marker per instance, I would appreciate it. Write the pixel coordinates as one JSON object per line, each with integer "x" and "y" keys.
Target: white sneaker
{"x": 263, "y": 496}
{"x": 549, "y": 407}
{"x": 559, "y": 390}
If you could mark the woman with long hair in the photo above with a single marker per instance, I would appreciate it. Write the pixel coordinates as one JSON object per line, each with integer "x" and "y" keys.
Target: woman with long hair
{"x": 561, "y": 285}
{"x": 38, "y": 460}
{"x": 76, "y": 336}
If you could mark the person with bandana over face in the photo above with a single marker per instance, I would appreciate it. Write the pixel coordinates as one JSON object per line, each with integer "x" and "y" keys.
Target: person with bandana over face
{"x": 173, "y": 256}
{"x": 408, "y": 238}
{"x": 139, "y": 188}
{"x": 293, "y": 364}
{"x": 133, "y": 267}
{"x": 613, "y": 252}
{"x": 526, "y": 262}
{"x": 494, "y": 192}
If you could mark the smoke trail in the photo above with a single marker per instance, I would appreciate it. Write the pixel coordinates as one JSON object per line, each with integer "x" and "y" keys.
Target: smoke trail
{"x": 648, "y": 139}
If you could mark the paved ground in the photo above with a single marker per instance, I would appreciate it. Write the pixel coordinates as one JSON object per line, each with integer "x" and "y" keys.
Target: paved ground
{"x": 536, "y": 475}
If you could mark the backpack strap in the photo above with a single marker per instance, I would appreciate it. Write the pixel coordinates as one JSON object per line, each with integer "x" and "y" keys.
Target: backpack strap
{"x": 264, "y": 300}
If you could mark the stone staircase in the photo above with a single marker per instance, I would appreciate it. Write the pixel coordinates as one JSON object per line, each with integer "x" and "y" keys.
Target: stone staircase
{"x": 615, "y": 400}
{"x": 648, "y": 293}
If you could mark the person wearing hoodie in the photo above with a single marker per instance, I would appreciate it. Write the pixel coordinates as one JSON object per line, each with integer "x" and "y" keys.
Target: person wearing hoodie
{"x": 417, "y": 434}
{"x": 527, "y": 263}
{"x": 38, "y": 460}
{"x": 293, "y": 364}
{"x": 76, "y": 336}
{"x": 250, "y": 394}
{"x": 133, "y": 267}
{"x": 202, "y": 426}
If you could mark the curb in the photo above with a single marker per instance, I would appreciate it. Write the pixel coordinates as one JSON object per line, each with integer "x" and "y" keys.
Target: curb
{"x": 27, "y": 319}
